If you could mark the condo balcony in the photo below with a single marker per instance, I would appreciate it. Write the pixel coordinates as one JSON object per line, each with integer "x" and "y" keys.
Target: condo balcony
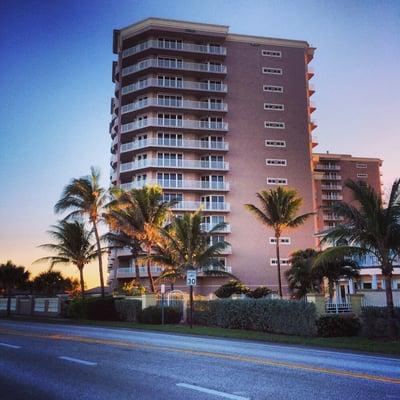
{"x": 174, "y": 123}
{"x": 176, "y": 164}
{"x": 113, "y": 159}
{"x": 332, "y": 197}
{"x": 130, "y": 272}
{"x": 173, "y": 65}
{"x": 184, "y": 184}
{"x": 175, "y": 84}
{"x": 113, "y": 176}
{"x": 330, "y": 217}
{"x": 174, "y": 103}
{"x": 207, "y": 227}
{"x": 175, "y": 46}
{"x": 205, "y": 206}
{"x": 215, "y": 268}
{"x": 330, "y": 177}
{"x": 328, "y": 167}
{"x": 331, "y": 187}
{"x": 175, "y": 143}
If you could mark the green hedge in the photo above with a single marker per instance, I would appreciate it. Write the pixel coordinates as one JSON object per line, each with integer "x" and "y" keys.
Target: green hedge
{"x": 152, "y": 315}
{"x": 276, "y": 316}
{"x": 95, "y": 308}
{"x": 375, "y": 322}
{"x": 128, "y": 310}
{"x": 338, "y": 325}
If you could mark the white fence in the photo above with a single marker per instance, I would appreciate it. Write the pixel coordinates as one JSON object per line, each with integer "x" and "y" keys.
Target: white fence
{"x": 336, "y": 307}
{"x": 3, "y": 305}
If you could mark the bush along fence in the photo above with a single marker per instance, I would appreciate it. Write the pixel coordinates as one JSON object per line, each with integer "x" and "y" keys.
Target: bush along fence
{"x": 274, "y": 316}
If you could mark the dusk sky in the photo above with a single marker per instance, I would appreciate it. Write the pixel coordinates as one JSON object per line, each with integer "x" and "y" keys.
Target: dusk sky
{"x": 56, "y": 88}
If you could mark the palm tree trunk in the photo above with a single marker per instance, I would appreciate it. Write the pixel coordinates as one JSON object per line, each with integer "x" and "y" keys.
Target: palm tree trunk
{"x": 390, "y": 304}
{"x": 82, "y": 282}
{"x": 149, "y": 274}
{"x": 96, "y": 233}
{"x": 278, "y": 262}
{"x": 137, "y": 270}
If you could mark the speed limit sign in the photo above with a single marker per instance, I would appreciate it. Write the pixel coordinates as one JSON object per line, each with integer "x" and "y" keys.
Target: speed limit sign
{"x": 191, "y": 278}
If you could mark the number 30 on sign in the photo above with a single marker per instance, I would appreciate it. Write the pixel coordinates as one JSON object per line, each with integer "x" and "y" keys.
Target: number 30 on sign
{"x": 191, "y": 278}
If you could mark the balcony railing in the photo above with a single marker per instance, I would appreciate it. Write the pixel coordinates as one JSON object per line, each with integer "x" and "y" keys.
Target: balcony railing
{"x": 331, "y": 187}
{"x": 173, "y": 64}
{"x": 130, "y": 272}
{"x": 332, "y": 197}
{"x": 328, "y": 167}
{"x": 174, "y": 123}
{"x": 207, "y": 227}
{"x": 216, "y": 268}
{"x": 329, "y": 217}
{"x": 205, "y": 206}
{"x": 175, "y": 143}
{"x": 329, "y": 177}
{"x": 174, "y": 84}
{"x": 186, "y": 47}
{"x": 165, "y": 163}
{"x": 184, "y": 184}
{"x": 174, "y": 103}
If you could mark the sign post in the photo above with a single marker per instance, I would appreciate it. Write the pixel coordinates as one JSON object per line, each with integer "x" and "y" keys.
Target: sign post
{"x": 162, "y": 303}
{"x": 191, "y": 280}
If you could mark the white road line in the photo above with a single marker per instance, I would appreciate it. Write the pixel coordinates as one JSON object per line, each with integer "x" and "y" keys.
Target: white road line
{"x": 11, "y": 346}
{"x": 211, "y": 391}
{"x": 77, "y": 360}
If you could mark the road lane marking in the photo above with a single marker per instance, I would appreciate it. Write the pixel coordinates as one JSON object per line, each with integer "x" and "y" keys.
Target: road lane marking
{"x": 211, "y": 391}
{"x": 224, "y": 356}
{"x": 77, "y": 360}
{"x": 11, "y": 346}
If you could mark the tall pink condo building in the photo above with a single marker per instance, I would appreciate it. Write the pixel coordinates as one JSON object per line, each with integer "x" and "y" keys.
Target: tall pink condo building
{"x": 214, "y": 117}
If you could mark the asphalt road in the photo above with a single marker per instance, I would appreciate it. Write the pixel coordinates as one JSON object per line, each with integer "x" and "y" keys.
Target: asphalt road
{"x": 49, "y": 361}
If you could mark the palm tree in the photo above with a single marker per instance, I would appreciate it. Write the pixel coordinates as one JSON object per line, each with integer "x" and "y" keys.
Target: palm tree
{"x": 301, "y": 275}
{"x": 140, "y": 213}
{"x": 183, "y": 245}
{"x": 73, "y": 245}
{"x": 279, "y": 208}
{"x": 12, "y": 277}
{"x": 122, "y": 235}
{"x": 369, "y": 227}
{"x": 85, "y": 197}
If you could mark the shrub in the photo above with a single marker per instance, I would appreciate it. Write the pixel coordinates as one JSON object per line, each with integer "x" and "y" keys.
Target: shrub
{"x": 257, "y": 293}
{"x": 152, "y": 315}
{"x": 93, "y": 308}
{"x": 276, "y": 316}
{"x": 128, "y": 310}
{"x": 338, "y": 325}
{"x": 375, "y": 322}
{"x": 230, "y": 288}
{"x": 133, "y": 289}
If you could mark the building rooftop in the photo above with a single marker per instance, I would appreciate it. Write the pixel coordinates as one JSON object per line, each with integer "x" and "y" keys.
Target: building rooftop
{"x": 201, "y": 28}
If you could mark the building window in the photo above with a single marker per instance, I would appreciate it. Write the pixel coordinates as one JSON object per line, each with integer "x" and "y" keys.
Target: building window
{"x": 274, "y": 89}
{"x": 278, "y": 162}
{"x": 274, "y": 261}
{"x": 360, "y": 165}
{"x": 282, "y": 240}
{"x": 271, "y": 53}
{"x": 272, "y": 71}
{"x": 274, "y": 125}
{"x": 277, "y": 181}
{"x": 366, "y": 285}
{"x": 362, "y": 175}
{"x": 275, "y": 143}
{"x": 274, "y": 107}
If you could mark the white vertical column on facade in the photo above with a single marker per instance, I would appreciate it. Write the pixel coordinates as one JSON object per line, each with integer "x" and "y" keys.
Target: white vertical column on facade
{"x": 383, "y": 283}
{"x": 374, "y": 283}
{"x": 351, "y": 286}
